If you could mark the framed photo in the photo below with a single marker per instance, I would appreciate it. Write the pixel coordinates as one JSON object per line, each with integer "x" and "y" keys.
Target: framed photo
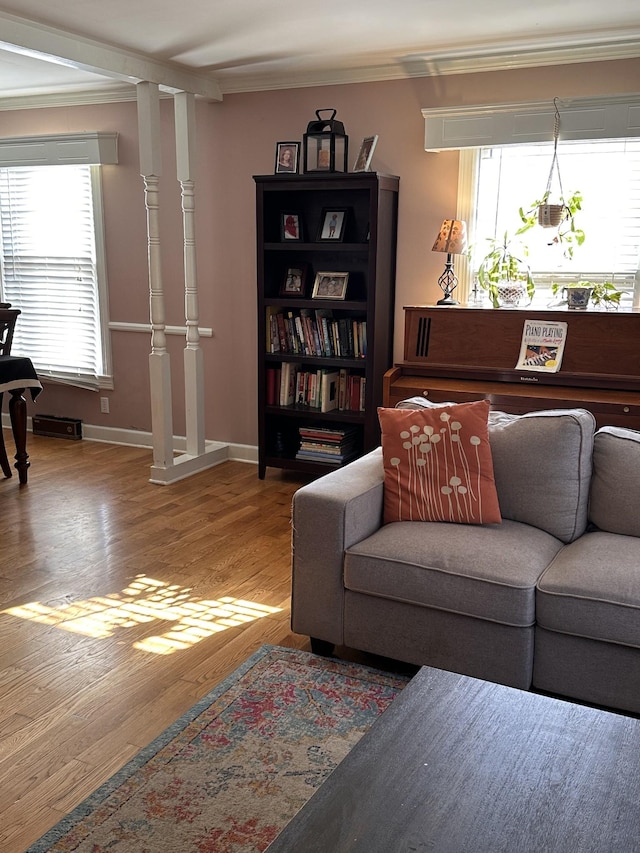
{"x": 330, "y": 285}
{"x": 295, "y": 280}
{"x": 365, "y": 154}
{"x": 332, "y": 224}
{"x": 290, "y": 226}
{"x": 287, "y": 157}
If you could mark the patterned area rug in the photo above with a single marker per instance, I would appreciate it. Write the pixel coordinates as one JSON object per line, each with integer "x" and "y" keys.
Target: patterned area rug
{"x": 230, "y": 774}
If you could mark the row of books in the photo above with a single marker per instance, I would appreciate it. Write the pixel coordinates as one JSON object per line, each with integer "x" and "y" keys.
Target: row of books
{"x": 315, "y": 333}
{"x": 331, "y": 446}
{"x": 289, "y": 384}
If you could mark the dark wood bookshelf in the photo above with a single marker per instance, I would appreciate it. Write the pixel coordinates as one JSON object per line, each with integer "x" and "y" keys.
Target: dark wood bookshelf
{"x": 368, "y": 253}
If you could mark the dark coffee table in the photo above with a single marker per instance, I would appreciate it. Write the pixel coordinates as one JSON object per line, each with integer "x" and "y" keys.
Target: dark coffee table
{"x": 459, "y": 765}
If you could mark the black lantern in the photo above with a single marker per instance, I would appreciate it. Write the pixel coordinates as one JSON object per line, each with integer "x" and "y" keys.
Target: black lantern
{"x": 325, "y": 144}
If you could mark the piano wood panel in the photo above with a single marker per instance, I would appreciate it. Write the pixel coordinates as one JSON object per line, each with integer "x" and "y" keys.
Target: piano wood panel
{"x": 462, "y": 354}
{"x": 602, "y": 348}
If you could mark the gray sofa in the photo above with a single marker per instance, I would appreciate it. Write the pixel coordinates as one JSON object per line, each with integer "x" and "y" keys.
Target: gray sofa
{"x": 549, "y": 598}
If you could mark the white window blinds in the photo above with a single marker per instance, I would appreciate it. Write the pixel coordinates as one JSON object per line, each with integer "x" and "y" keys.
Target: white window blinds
{"x": 606, "y": 172}
{"x": 50, "y": 268}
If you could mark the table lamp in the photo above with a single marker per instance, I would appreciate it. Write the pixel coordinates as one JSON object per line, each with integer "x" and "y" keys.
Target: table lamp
{"x": 452, "y": 239}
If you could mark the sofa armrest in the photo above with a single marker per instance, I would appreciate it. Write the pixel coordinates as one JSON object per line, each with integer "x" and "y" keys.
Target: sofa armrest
{"x": 329, "y": 515}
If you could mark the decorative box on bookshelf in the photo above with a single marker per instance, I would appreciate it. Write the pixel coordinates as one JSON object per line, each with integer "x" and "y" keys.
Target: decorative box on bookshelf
{"x": 325, "y": 312}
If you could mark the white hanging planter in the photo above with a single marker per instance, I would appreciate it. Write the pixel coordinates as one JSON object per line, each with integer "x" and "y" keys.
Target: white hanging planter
{"x": 551, "y": 215}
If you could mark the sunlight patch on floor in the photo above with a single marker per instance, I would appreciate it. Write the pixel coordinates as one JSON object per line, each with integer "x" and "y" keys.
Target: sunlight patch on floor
{"x": 148, "y": 600}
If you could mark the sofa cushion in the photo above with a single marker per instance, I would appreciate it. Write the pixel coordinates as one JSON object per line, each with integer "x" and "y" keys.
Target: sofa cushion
{"x": 437, "y": 465}
{"x": 541, "y": 464}
{"x": 489, "y": 571}
{"x": 592, "y": 589}
{"x": 615, "y": 485}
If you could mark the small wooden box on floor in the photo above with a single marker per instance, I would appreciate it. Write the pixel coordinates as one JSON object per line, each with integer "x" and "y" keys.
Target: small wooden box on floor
{"x": 464, "y": 354}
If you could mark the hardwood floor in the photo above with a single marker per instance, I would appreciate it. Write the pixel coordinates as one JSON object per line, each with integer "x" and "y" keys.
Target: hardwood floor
{"x": 121, "y": 604}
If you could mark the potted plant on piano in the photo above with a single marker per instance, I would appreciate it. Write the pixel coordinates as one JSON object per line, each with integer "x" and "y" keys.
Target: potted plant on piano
{"x": 505, "y": 274}
{"x": 600, "y": 294}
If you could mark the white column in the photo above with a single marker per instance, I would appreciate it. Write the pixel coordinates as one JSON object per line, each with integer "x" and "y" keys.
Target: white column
{"x": 159, "y": 359}
{"x": 184, "y": 104}
{"x": 467, "y": 171}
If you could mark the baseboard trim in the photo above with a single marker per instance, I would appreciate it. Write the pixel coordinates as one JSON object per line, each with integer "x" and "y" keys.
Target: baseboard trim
{"x": 216, "y": 452}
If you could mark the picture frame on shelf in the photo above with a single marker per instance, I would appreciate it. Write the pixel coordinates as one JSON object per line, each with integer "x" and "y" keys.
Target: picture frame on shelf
{"x": 295, "y": 281}
{"x": 332, "y": 224}
{"x": 365, "y": 155}
{"x": 330, "y": 285}
{"x": 287, "y": 158}
{"x": 290, "y": 226}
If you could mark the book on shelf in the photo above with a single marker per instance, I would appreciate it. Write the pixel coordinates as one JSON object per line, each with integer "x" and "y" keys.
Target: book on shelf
{"x": 329, "y": 390}
{"x": 328, "y": 445}
{"x": 288, "y": 383}
{"x": 273, "y": 335}
{"x": 334, "y": 434}
{"x": 318, "y": 388}
{"x": 351, "y": 391}
{"x": 542, "y": 346}
{"x": 359, "y": 338}
{"x": 308, "y": 388}
{"x": 273, "y": 386}
{"x": 323, "y": 316}
{"x": 315, "y": 333}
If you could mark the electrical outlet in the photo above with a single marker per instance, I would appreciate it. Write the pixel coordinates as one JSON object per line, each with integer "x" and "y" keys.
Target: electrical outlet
{"x": 104, "y": 405}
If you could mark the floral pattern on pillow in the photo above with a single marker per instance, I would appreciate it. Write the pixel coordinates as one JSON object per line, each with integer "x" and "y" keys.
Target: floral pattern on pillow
{"x": 438, "y": 465}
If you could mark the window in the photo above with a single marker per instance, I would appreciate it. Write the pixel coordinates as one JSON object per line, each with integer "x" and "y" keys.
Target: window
{"x": 52, "y": 268}
{"x": 606, "y": 172}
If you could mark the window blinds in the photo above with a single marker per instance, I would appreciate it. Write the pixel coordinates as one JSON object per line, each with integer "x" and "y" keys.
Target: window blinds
{"x": 606, "y": 172}
{"x": 49, "y": 270}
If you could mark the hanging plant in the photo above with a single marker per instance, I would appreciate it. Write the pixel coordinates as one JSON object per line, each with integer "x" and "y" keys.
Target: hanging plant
{"x": 567, "y": 234}
{"x": 555, "y": 211}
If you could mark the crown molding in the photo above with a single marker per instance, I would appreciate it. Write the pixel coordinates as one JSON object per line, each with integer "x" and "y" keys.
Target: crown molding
{"x": 438, "y": 65}
{"x": 66, "y": 98}
{"x": 609, "y": 47}
{"x": 50, "y": 44}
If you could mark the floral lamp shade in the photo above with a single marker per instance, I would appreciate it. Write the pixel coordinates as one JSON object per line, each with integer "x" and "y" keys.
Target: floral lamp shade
{"x": 452, "y": 237}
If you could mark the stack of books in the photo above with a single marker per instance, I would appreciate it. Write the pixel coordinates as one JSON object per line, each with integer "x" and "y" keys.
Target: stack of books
{"x": 315, "y": 333}
{"x": 328, "y": 445}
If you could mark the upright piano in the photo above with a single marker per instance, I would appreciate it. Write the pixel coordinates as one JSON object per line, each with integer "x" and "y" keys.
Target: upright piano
{"x": 461, "y": 354}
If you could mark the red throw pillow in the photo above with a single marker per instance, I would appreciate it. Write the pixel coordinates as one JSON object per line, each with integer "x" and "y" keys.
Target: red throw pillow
{"x": 438, "y": 465}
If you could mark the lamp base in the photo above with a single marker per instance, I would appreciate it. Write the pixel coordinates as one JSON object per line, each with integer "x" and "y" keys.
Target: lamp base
{"x": 447, "y": 300}
{"x": 447, "y": 283}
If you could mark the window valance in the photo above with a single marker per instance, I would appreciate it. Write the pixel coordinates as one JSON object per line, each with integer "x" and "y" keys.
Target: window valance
{"x": 484, "y": 125}
{"x": 88, "y": 148}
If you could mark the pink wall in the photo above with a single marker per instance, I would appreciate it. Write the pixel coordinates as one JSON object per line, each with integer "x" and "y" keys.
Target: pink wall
{"x": 236, "y": 140}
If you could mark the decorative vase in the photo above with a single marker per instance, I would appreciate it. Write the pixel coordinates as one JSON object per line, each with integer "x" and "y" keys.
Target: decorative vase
{"x": 510, "y": 293}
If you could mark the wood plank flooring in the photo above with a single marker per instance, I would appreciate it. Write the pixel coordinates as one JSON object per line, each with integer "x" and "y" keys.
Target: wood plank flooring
{"x": 121, "y": 604}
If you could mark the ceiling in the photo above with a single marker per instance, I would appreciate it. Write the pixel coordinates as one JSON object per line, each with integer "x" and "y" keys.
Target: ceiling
{"x": 85, "y": 49}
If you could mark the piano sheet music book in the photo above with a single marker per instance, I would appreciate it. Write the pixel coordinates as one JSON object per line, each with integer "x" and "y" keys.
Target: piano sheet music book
{"x": 542, "y": 346}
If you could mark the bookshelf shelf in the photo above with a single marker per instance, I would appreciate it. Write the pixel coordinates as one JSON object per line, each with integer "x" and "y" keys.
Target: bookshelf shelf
{"x": 337, "y": 350}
